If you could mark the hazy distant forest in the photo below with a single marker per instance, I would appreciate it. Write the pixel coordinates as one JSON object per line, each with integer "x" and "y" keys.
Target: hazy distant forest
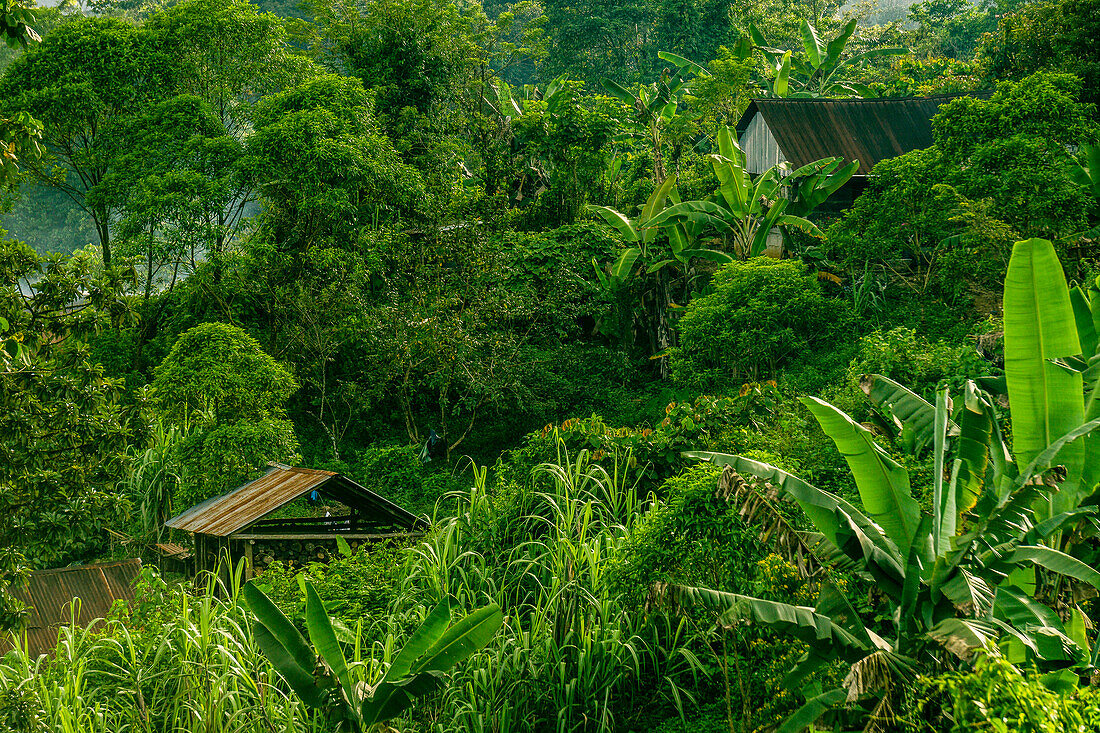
{"x": 684, "y": 444}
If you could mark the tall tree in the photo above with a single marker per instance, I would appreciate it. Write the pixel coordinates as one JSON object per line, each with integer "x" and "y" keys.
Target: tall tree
{"x": 63, "y": 430}
{"x": 84, "y": 83}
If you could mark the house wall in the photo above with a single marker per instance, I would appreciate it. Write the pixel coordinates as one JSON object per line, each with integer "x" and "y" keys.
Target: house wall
{"x": 761, "y": 149}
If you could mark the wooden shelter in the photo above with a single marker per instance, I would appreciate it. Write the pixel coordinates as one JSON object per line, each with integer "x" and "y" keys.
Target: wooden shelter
{"x": 51, "y": 597}
{"x": 239, "y": 523}
{"x": 800, "y": 131}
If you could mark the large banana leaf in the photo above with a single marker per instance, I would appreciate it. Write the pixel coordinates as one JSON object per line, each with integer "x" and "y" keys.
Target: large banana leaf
{"x": 461, "y": 640}
{"x": 284, "y": 646}
{"x": 655, "y": 204}
{"x": 299, "y": 679}
{"x": 323, "y": 636}
{"x": 617, "y": 90}
{"x": 815, "y": 52}
{"x": 962, "y": 637}
{"x": 781, "y": 85}
{"x": 803, "y": 718}
{"x": 819, "y": 506}
{"x": 1039, "y": 326}
{"x": 683, "y": 63}
{"x": 944, "y": 501}
{"x": 882, "y": 482}
{"x": 801, "y": 622}
{"x": 910, "y": 411}
{"x": 424, "y": 638}
{"x": 617, "y": 220}
{"x": 1056, "y": 561}
{"x": 836, "y": 46}
{"x": 800, "y": 223}
{"x": 625, "y": 264}
{"x": 390, "y": 699}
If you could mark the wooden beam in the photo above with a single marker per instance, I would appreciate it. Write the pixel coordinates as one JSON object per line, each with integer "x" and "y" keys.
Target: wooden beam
{"x": 326, "y": 536}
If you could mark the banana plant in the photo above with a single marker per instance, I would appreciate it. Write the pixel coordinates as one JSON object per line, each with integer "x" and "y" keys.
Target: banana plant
{"x": 745, "y": 210}
{"x": 655, "y": 106}
{"x": 961, "y": 573}
{"x": 322, "y": 678}
{"x": 649, "y": 252}
{"x": 947, "y": 573}
{"x": 655, "y": 246}
{"x": 822, "y": 70}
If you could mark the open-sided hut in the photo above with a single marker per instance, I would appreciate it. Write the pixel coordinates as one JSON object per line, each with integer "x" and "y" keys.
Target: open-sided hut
{"x": 239, "y": 523}
{"x": 803, "y": 130}
{"x": 50, "y": 594}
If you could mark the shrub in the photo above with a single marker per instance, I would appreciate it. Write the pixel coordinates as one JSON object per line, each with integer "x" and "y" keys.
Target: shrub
{"x": 996, "y": 696}
{"x": 354, "y": 587}
{"x": 397, "y": 473}
{"x": 921, "y": 365}
{"x": 760, "y": 316}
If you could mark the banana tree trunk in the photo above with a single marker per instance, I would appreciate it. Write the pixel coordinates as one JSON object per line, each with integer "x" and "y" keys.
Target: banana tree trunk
{"x": 662, "y": 330}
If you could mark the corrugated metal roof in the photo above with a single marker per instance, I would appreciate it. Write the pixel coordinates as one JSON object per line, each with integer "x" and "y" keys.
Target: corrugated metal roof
{"x": 867, "y": 130}
{"x": 280, "y": 485}
{"x": 49, "y": 595}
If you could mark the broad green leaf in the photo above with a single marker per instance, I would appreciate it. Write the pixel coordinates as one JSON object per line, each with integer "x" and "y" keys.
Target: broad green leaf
{"x": 425, "y": 637}
{"x": 1057, "y": 561}
{"x": 832, "y": 603}
{"x": 683, "y": 63}
{"x": 624, "y": 266}
{"x": 1053, "y": 454}
{"x": 906, "y": 408}
{"x": 1083, "y": 316}
{"x": 617, "y": 90}
{"x": 1039, "y": 325}
{"x": 656, "y": 201}
{"x": 962, "y": 637}
{"x": 797, "y": 222}
{"x": 972, "y": 450}
{"x": 836, "y": 46}
{"x": 707, "y": 254}
{"x": 801, "y": 622}
{"x": 461, "y": 640}
{"x": 279, "y": 625}
{"x": 617, "y": 220}
{"x": 804, "y": 718}
{"x": 390, "y": 699}
{"x": 657, "y": 266}
{"x": 837, "y": 520}
{"x": 324, "y": 638}
{"x": 882, "y": 483}
{"x": 945, "y": 512}
{"x": 780, "y": 87}
{"x": 814, "y": 52}
{"x": 290, "y": 668}
{"x": 727, "y": 143}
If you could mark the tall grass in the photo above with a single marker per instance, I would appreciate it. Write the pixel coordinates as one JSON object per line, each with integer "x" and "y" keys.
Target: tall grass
{"x": 572, "y": 657}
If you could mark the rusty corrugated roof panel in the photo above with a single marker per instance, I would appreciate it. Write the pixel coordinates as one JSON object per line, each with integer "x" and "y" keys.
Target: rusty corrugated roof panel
{"x": 867, "y": 130}
{"x": 49, "y": 595}
{"x": 280, "y": 485}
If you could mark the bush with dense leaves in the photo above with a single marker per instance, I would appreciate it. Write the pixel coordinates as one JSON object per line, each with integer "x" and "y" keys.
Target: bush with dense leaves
{"x": 761, "y": 316}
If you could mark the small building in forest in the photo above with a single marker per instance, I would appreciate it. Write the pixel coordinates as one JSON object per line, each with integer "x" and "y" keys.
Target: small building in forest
{"x": 62, "y": 596}
{"x": 800, "y": 131}
{"x": 241, "y": 524}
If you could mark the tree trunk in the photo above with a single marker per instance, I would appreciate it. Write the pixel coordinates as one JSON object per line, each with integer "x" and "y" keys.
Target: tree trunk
{"x": 661, "y": 328}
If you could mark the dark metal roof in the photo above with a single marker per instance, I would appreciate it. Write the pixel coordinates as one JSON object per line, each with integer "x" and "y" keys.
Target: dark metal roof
{"x": 867, "y": 130}
{"x": 280, "y": 485}
{"x": 49, "y": 595}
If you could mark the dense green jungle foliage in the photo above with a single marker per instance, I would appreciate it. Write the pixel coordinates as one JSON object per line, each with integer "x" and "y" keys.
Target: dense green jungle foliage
{"x": 505, "y": 265}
